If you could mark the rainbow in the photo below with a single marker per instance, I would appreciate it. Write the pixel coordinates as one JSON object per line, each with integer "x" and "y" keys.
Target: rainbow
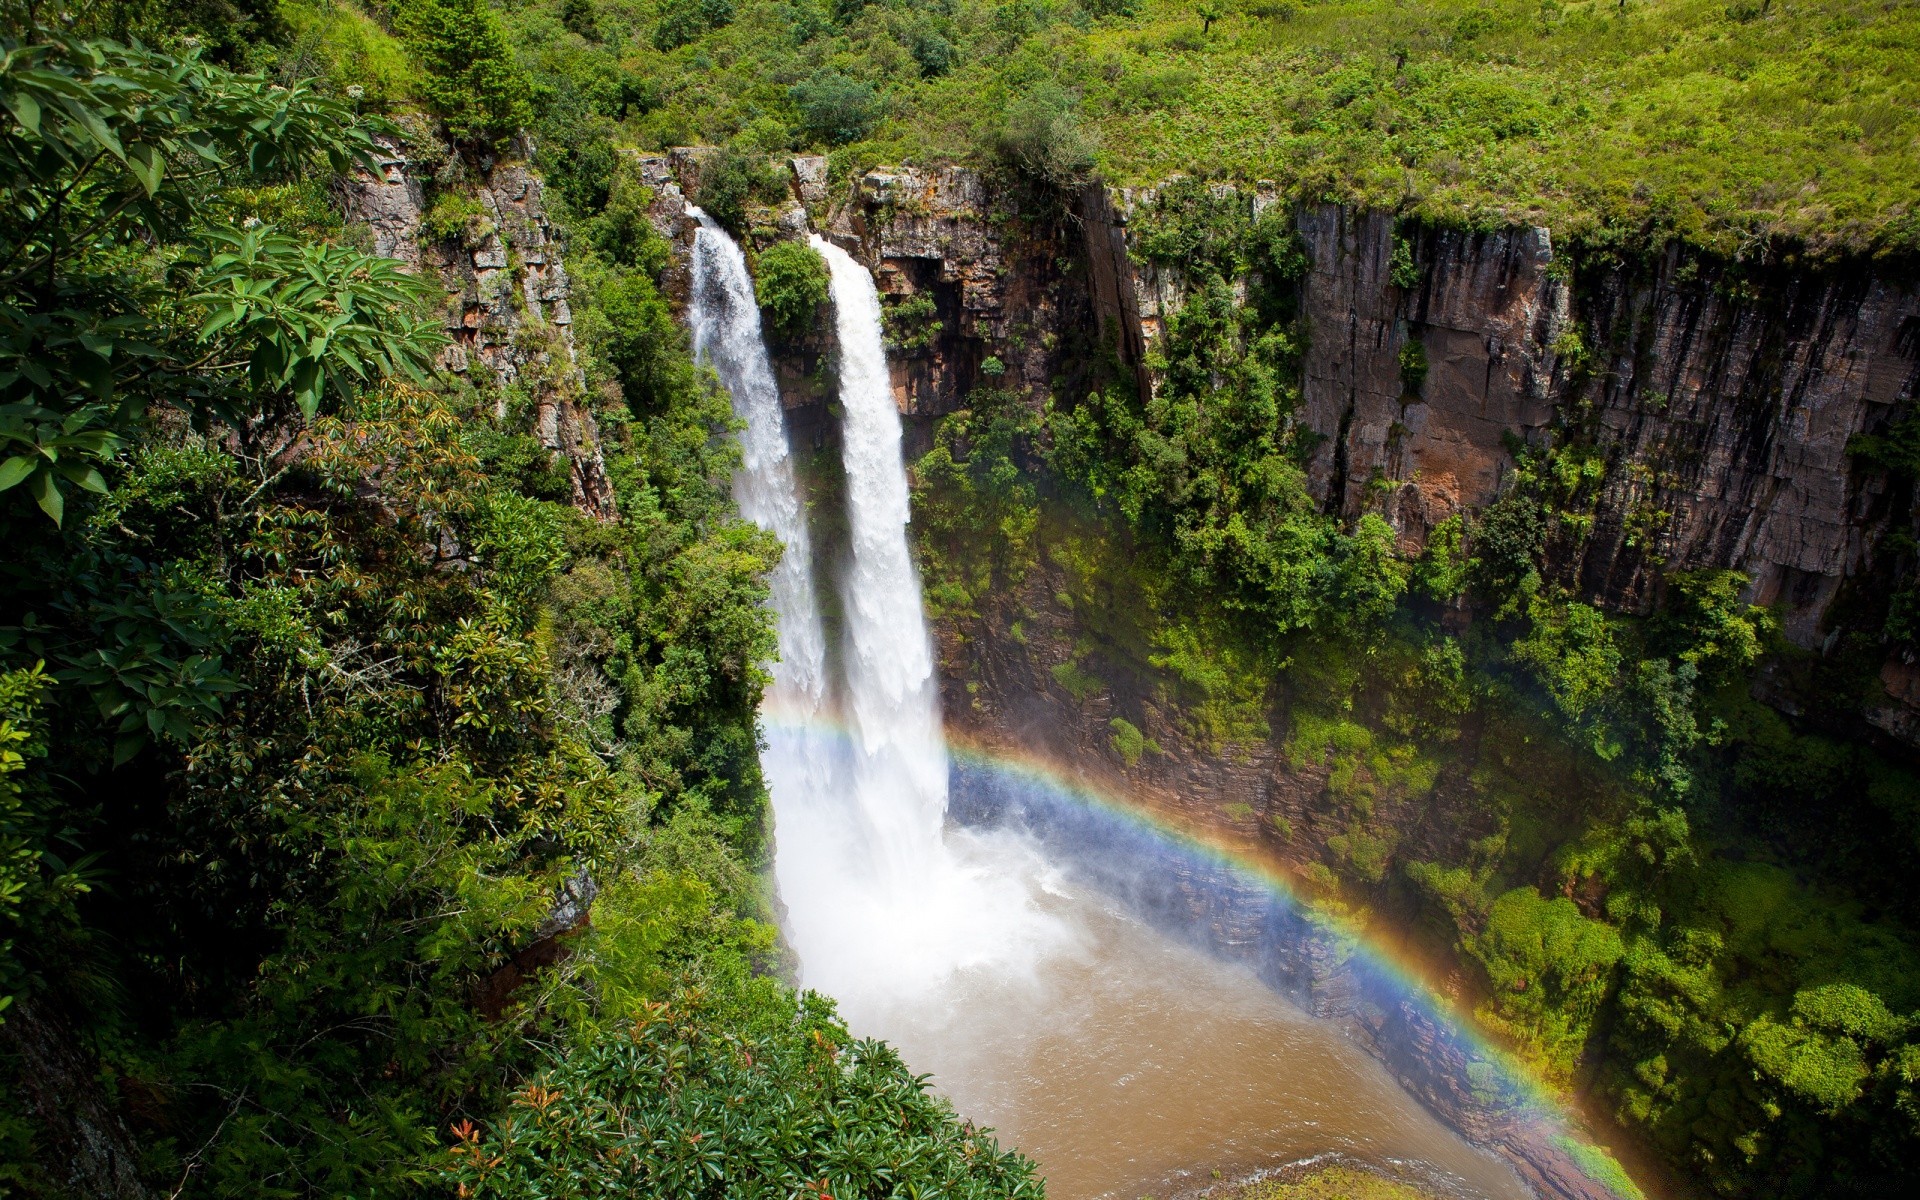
{"x": 1534, "y": 1125}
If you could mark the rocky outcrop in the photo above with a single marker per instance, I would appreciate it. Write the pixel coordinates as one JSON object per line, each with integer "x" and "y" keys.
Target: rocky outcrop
{"x": 83, "y": 1140}
{"x": 507, "y": 316}
{"x": 1722, "y": 402}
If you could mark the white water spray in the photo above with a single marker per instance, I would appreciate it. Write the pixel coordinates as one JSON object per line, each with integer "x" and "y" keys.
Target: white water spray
{"x": 885, "y": 905}
{"x": 726, "y": 333}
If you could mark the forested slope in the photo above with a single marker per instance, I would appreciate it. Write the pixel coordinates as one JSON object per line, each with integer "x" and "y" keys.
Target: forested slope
{"x": 331, "y": 705}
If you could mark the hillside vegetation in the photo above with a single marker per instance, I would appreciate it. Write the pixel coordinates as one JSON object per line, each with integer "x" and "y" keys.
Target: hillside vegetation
{"x": 1745, "y": 127}
{"x": 325, "y": 713}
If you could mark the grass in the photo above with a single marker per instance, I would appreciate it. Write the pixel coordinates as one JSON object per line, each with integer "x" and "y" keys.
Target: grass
{"x": 1737, "y": 125}
{"x": 1726, "y": 124}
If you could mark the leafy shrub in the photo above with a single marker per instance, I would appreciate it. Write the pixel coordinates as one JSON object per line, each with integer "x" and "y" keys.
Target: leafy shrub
{"x": 1571, "y": 650}
{"x": 1550, "y": 969}
{"x": 835, "y": 110}
{"x": 1440, "y": 573}
{"x": 1041, "y": 136}
{"x": 458, "y": 218}
{"x": 1127, "y": 740}
{"x": 683, "y": 21}
{"x": 581, "y": 17}
{"x": 730, "y": 181}
{"x": 1706, "y": 625}
{"x": 1413, "y": 365}
{"x": 470, "y": 78}
{"x": 912, "y": 323}
{"x": 933, "y": 54}
{"x": 790, "y": 282}
{"x": 687, "y": 1104}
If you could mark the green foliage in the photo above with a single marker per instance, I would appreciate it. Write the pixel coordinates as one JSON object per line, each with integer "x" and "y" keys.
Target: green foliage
{"x": 682, "y": 21}
{"x": 469, "y": 77}
{"x": 1549, "y": 968}
{"x": 456, "y": 217}
{"x": 1330, "y": 1183}
{"x": 1570, "y": 650}
{"x": 835, "y": 110}
{"x": 687, "y": 1104}
{"x": 1706, "y": 625}
{"x": 1210, "y": 463}
{"x": 108, "y": 142}
{"x": 347, "y": 704}
{"x": 732, "y": 180}
{"x": 1413, "y": 366}
{"x": 1441, "y": 571}
{"x": 975, "y": 506}
{"x": 790, "y": 282}
{"x": 912, "y": 323}
{"x": 1127, "y": 740}
{"x": 1041, "y": 136}
{"x": 1609, "y": 124}
{"x": 1079, "y": 682}
{"x": 351, "y": 49}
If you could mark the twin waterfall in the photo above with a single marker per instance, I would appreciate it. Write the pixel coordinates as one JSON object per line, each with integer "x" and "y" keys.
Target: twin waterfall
{"x": 1123, "y": 1061}
{"x": 884, "y": 905}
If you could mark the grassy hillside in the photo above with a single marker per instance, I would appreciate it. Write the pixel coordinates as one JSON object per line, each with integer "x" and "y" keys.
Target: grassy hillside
{"x": 1731, "y": 125}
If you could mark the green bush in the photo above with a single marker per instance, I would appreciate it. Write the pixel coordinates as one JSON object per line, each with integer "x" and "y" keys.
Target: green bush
{"x": 693, "y": 1102}
{"x": 458, "y": 218}
{"x": 835, "y": 110}
{"x": 1550, "y": 968}
{"x": 470, "y": 78}
{"x": 790, "y": 281}
{"x": 1041, "y": 136}
{"x": 683, "y": 21}
{"x": 732, "y": 180}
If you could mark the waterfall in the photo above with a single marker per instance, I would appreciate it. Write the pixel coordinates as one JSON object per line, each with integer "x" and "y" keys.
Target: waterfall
{"x": 900, "y": 760}
{"x": 885, "y": 905}
{"x": 726, "y": 334}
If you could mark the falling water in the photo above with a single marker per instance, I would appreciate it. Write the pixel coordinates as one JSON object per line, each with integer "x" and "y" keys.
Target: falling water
{"x": 1121, "y": 1060}
{"x": 726, "y": 334}
{"x": 888, "y": 906}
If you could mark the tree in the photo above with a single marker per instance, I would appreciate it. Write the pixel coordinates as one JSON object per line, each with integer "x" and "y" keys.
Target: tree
{"x": 472, "y": 81}
{"x": 836, "y": 110}
{"x": 790, "y": 282}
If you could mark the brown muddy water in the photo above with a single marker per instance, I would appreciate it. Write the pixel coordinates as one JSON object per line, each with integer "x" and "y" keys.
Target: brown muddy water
{"x": 1129, "y": 1065}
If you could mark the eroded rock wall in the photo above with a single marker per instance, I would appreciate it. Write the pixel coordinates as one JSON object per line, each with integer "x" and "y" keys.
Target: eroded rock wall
{"x": 1723, "y": 401}
{"x": 506, "y": 314}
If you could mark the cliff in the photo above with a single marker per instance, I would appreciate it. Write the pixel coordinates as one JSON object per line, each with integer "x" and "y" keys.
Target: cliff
{"x": 1721, "y": 398}
{"x": 506, "y": 312}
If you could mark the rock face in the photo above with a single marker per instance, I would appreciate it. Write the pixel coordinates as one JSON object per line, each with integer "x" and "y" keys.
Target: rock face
{"x": 506, "y": 312}
{"x": 1722, "y": 404}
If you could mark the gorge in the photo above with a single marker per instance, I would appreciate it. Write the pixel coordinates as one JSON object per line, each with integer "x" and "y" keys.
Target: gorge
{"x": 1038, "y": 1006}
{"x": 1270, "y": 600}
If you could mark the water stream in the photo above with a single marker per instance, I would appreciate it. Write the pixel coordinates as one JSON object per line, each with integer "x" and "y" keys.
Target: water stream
{"x": 1124, "y": 1062}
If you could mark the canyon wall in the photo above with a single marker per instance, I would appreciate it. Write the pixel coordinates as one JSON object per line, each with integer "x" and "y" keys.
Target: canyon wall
{"x": 1722, "y": 399}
